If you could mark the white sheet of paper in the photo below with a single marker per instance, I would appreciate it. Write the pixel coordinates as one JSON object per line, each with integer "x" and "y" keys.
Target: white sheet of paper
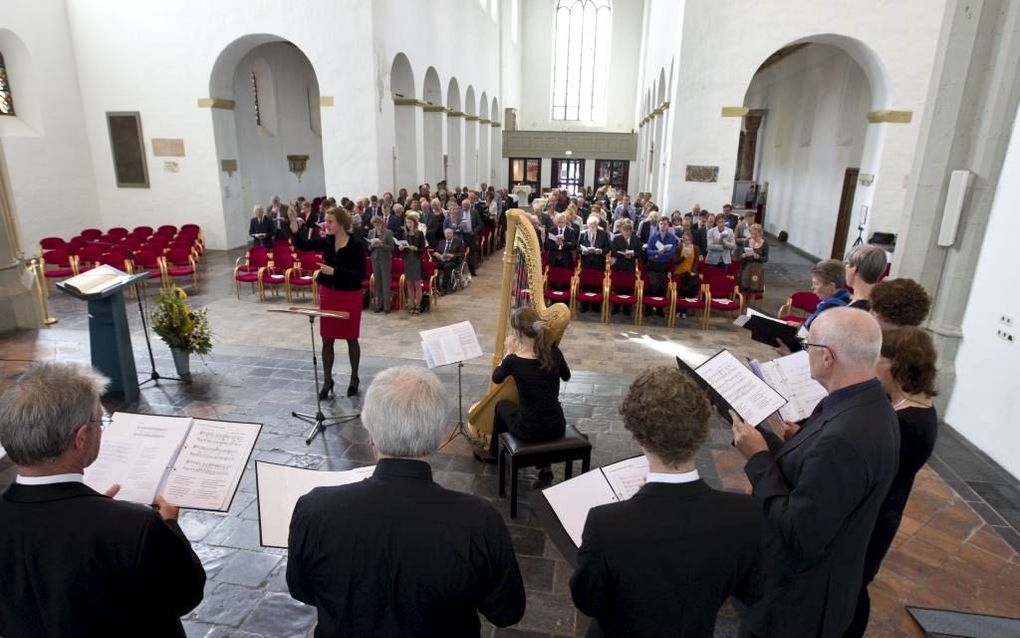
{"x": 450, "y": 344}
{"x": 136, "y": 451}
{"x": 210, "y": 463}
{"x": 659, "y": 246}
{"x": 401, "y": 244}
{"x": 571, "y": 500}
{"x": 100, "y": 278}
{"x": 753, "y": 399}
{"x": 791, "y": 377}
{"x": 280, "y": 487}
{"x": 626, "y": 477}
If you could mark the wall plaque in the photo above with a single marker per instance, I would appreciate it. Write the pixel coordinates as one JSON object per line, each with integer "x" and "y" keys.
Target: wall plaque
{"x": 167, "y": 147}
{"x": 128, "y": 149}
{"x": 702, "y": 173}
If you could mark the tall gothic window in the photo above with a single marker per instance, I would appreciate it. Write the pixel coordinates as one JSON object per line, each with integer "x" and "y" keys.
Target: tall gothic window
{"x": 582, "y": 37}
{"x": 255, "y": 99}
{"x": 6, "y": 101}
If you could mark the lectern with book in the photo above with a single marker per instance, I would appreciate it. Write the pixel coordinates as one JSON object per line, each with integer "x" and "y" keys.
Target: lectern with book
{"x": 109, "y": 334}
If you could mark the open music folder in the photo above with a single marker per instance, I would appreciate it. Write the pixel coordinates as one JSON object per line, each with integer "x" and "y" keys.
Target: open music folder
{"x": 450, "y": 344}
{"x": 791, "y": 377}
{"x": 730, "y": 385}
{"x": 766, "y": 329}
{"x": 280, "y": 486}
{"x": 563, "y": 508}
{"x": 192, "y": 463}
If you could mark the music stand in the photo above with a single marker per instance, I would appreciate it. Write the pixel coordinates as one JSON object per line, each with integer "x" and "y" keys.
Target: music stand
{"x": 460, "y": 430}
{"x": 319, "y": 419}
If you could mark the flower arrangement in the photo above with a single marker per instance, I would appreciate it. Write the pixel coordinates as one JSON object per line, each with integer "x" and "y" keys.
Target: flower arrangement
{"x": 178, "y": 325}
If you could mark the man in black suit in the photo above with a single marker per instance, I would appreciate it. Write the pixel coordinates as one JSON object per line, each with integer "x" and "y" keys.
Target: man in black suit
{"x": 396, "y": 554}
{"x": 822, "y": 488}
{"x": 449, "y": 255}
{"x": 561, "y": 243}
{"x": 261, "y": 229}
{"x": 665, "y": 561}
{"x": 76, "y": 562}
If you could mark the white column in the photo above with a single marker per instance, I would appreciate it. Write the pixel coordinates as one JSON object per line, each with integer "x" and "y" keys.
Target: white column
{"x": 18, "y": 307}
{"x": 471, "y": 151}
{"x": 497, "y": 166}
{"x": 484, "y": 157}
{"x": 433, "y": 149}
{"x": 454, "y": 149}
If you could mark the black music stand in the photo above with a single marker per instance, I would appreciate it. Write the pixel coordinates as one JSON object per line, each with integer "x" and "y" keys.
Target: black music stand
{"x": 319, "y": 419}
{"x": 461, "y": 429}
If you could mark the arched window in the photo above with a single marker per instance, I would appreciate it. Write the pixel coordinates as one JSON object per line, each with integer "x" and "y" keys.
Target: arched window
{"x": 581, "y": 59}
{"x": 6, "y": 101}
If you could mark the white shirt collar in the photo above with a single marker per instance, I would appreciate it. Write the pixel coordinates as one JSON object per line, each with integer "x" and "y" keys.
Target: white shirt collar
{"x": 49, "y": 480}
{"x": 672, "y": 477}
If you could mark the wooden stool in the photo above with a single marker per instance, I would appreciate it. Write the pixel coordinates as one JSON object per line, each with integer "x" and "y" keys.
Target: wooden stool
{"x": 572, "y": 446}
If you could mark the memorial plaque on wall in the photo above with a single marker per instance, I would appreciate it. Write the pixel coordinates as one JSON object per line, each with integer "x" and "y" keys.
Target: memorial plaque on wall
{"x": 697, "y": 173}
{"x": 167, "y": 147}
{"x": 128, "y": 150}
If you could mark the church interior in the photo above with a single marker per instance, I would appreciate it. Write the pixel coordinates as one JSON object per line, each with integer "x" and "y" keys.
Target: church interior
{"x": 832, "y": 123}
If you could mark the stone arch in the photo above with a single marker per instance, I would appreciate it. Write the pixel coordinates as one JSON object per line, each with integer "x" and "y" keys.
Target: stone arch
{"x": 432, "y": 127}
{"x": 454, "y": 136}
{"x": 406, "y": 149}
{"x": 22, "y": 77}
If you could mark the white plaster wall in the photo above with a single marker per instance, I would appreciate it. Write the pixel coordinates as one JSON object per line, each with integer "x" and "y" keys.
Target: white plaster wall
{"x": 716, "y": 74}
{"x": 536, "y": 92}
{"x": 262, "y": 158}
{"x": 125, "y": 64}
{"x": 987, "y": 367}
{"x": 48, "y": 159}
{"x": 817, "y": 101}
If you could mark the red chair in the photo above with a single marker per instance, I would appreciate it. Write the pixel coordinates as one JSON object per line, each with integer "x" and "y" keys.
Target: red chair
{"x": 804, "y": 300}
{"x": 51, "y": 243}
{"x": 191, "y": 228}
{"x": 275, "y": 274}
{"x": 142, "y": 231}
{"x": 429, "y": 275}
{"x": 134, "y": 243}
{"x": 666, "y": 302}
{"x": 707, "y": 271}
{"x": 166, "y": 229}
{"x": 563, "y": 280}
{"x": 592, "y": 288}
{"x": 157, "y": 247}
{"x": 723, "y": 294}
{"x": 247, "y": 268}
{"x": 89, "y": 258}
{"x": 397, "y": 282}
{"x": 366, "y": 283}
{"x": 302, "y": 275}
{"x": 117, "y": 260}
{"x": 91, "y": 234}
{"x": 147, "y": 261}
{"x": 118, "y": 231}
{"x": 623, "y": 290}
{"x": 57, "y": 264}
{"x": 179, "y": 263}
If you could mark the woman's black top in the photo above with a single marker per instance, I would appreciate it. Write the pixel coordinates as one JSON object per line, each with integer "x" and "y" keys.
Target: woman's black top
{"x": 538, "y": 389}
{"x": 416, "y": 239}
{"x": 918, "y": 430}
{"x": 860, "y": 304}
{"x": 621, "y": 245}
{"x": 348, "y": 263}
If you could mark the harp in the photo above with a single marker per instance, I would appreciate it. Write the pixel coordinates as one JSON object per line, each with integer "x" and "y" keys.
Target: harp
{"x": 522, "y": 286}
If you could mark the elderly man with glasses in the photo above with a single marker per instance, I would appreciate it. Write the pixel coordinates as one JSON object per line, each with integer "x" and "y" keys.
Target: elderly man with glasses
{"x": 76, "y": 562}
{"x": 821, "y": 489}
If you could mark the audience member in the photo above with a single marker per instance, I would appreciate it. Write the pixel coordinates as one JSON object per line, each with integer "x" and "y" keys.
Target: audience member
{"x": 821, "y": 491}
{"x": 754, "y": 254}
{"x": 450, "y": 255}
{"x": 261, "y": 228}
{"x": 397, "y": 554}
{"x": 742, "y": 233}
{"x": 665, "y": 561}
{"x": 907, "y": 372}
{"x": 720, "y": 243}
{"x": 413, "y": 252}
{"x": 662, "y": 247}
{"x": 561, "y": 243}
{"x": 899, "y": 302}
{"x": 596, "y": 241}
{"x": 865, "y": 265}
{"x": 76, "y": 562}
{"x": 828, "y": 278}
{"x": 380, "y": 246}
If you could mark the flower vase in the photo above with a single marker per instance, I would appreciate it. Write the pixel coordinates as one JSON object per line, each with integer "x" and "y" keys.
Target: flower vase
{"x": 182, "y": 361}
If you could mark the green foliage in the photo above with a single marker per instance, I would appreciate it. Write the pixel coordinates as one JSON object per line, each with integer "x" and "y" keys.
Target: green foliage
{"x": 180, "y": 326}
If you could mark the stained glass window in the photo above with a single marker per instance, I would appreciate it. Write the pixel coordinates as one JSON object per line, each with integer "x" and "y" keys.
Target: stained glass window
{"x": 6, "y": 100}
{"x": 255, "y": 99}
{"x": 581, "y": 41}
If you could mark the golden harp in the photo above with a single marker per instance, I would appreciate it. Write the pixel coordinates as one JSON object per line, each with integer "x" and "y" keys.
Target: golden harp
{"x": 522, "y": 285}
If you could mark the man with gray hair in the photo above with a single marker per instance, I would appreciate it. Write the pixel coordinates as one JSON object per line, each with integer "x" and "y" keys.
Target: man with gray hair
{"x": 821, "y": 489}
{"x": 397, "y": 554}
{"x": 76, "y": 562}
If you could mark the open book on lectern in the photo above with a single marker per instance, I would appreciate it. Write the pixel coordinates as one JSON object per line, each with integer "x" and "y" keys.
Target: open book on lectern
{"x": 192, "y": 463}
{"x": 563, "y": 508}
{"x": 731, "y": 385}
{"x": 280, "y": 486}
{"x": 450, "y": 344}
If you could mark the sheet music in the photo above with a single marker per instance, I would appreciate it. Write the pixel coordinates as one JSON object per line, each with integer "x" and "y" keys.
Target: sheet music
{"x": 450, "y": 344}
{"x": 791, "y": 377}
{"x": 209, "y": 465}
{"x": 136, "y": 451}
{"x": 280, "y": 487}
{"x": 626, "y": 477}
{"x": 751, "y": 398}
{"x": 571, "y": 500}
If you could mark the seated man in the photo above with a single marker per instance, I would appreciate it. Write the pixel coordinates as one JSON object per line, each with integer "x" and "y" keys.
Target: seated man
{"x": 449, "y": 254}
{"x": 396, "y": 554}
{"x": 76, "y": 562}
{"x": 665, "y": 561}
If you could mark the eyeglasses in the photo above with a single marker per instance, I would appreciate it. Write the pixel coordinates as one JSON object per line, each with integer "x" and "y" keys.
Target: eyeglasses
{"x": 103, "y": 421}
{"x": 807, "y": 346}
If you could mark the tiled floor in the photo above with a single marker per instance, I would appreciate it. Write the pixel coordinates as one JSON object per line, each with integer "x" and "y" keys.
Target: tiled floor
{"x": 956, "y": 548}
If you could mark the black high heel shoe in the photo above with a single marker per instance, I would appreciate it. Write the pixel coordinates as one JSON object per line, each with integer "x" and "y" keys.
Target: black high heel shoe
{"x": 327, "y": 389}
{"x": 352, "y": 389}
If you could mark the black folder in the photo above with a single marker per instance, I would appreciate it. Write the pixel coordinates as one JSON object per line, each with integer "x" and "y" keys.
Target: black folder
{"x": 767, "y": 330}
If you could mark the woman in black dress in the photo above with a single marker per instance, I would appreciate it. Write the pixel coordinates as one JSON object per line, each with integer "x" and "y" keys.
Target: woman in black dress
{"x": 907, "y": 372}
{"x": 339, "y": 281}
{"x": 537, "y": 366}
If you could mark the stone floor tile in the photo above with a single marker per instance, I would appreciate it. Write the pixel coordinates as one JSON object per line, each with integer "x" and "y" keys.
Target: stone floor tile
{"x": 248, "y": 568}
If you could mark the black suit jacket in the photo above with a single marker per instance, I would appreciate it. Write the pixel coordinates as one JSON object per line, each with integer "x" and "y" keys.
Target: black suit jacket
{"x": 665, "y": 561}
{"x": 821, "y": 492}
{"x": 265, "y": 227}
{"x": 593, "y": 261}
{"x": 77, "y": 563}
{"x": 398, "y": 555}
{"x": 561, "y": 255}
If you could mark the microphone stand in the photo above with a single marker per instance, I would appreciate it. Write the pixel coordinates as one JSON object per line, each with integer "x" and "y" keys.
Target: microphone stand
{"x": 319, "y": 419}
{"x": 154, "y": 375}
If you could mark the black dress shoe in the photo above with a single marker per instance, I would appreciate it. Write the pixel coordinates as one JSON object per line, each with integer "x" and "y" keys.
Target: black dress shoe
{"x": 485, "y": 458}
{"x": 327, "y": 389}
{"x": 352, "y": 389}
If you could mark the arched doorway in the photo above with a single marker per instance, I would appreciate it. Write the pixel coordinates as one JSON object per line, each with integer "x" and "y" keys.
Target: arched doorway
{"x": 270, "y": 142}
{"x": 433, "y": 125}
{"x": 805, "y": 143}
{"x": 405, "y": 112}
{"x": 454, "y": 143}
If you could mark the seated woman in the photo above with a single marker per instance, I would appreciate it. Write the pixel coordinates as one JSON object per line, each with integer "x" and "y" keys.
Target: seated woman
{"x": 907, "y": 372}
{"x": 685, "y": 269}
{"x": 827, "y": 280}
{"x": 412, "y": 261}
{"x": 865, "y": 265}
{"x": 753, "y": 255}
{"x": 537, "y": 366}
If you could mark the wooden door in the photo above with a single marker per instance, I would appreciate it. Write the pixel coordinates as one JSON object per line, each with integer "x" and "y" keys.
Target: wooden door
{"x": 846, "y": 202}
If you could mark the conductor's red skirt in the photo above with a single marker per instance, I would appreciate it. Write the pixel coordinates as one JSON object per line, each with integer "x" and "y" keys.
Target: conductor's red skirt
{"x": 348, "y": 301}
